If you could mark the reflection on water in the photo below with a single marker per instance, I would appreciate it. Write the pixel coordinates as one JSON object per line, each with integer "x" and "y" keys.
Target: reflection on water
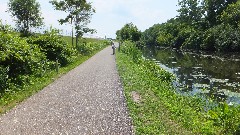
{"x": 199, "y": 73}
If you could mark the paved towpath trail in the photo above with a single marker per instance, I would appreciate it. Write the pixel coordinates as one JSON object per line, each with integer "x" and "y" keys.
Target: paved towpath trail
{"x": 87, "y": 100}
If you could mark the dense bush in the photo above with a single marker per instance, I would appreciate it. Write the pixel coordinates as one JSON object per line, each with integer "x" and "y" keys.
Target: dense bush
{"x": 229, "y": 39}
{"x": 231, "y": 15}
{"x": 193, "y": 41}
{"x": 221, "y": 38}
{"x": 52, "y": 44}
{"x": 3, "y": 78}
{"x": 24, "y": 57}
{"x": 87, "y": 48}
{"x": 149, "y": 36}
{"x": 19, "y": 56}
{"x": 165, "y": 39}
{"x": 130, "y": 49}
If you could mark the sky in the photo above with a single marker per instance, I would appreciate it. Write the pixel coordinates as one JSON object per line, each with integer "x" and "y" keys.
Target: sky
{"x": 110, "y": 16}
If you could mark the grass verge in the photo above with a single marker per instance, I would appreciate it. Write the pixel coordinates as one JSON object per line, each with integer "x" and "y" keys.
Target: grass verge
{"x": 148, "y": 113}
{"x": 156, "y": 108}
{"x": 12, "y": 98}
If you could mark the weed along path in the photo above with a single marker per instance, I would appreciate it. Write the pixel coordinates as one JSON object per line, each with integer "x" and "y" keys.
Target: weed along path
{"x": 87, "y": 100}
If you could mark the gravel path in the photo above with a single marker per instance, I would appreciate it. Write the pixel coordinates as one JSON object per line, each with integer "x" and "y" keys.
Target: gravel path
{"x": 87, "y": 100}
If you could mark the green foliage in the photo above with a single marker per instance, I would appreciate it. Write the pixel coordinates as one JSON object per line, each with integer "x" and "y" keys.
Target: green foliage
{"x": 214, "y": 9}
{"x": 228, "y": 39}
{"x": 231, "y": 15}
{"x": 19, "y": 56}
{"x": 190, "y": 11}
{"x": 5, "y": 28}
{"x": 27, "y": 14}
{"x": 79, "y": 13}
{"x": 194, "y": 40}
{"x": 129, "y": 32}
{"x": 165, "y": 39}
{"x": 54, "y": 47}
{"x": 150, "y": 35}
{"x": 208, "y": 25}
{"x": 25, "y": 68}
{"x": 184, "y": 32}
{"x": 3, "y": 78}
{"x": 226, "y": 117}
{"x": 222, "y": 38}
{"x": 87, "y": 48}
{"x": 168, "y": 33}
{"x": 130, "y": 49}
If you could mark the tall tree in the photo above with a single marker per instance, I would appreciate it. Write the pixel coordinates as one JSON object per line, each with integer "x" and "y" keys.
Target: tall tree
{"x": 231, "y": 15}
{"x": 79, "y": 14}
{"x": 214, "y": 8}
{"x": 190, "y": 11}
{"x": 129, "y": 32}
{"x": 27, "y": 14}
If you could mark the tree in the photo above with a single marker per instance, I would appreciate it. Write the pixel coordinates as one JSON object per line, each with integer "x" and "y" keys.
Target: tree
{"x": 79, "y": 13}
{"x": 214, "y": 8}
{"x": 129, "y": 32}
{"x": 149, "y": 36}
{"x": 27, "y": 14}
{"x": 190, "y": 11}
{"x": 231, "y": 15}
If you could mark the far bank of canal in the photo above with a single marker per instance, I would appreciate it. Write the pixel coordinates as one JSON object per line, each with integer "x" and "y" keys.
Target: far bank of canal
{"x": 214, "y": 75}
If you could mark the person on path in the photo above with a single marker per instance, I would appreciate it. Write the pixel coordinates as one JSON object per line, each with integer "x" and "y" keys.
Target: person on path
{"x": 113, "y": 47}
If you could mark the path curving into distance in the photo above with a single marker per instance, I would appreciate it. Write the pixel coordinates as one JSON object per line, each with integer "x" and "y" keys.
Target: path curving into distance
{"x": 87, "y": 100}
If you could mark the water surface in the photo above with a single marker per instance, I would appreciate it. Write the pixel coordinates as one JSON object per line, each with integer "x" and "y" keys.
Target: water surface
{"x": 214, "y": 75}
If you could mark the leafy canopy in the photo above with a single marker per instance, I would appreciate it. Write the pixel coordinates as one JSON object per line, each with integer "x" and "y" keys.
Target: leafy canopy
{"x": 27, "y": 14}
{"x": 79, "y": 13}
{"x": 129, "y": 32}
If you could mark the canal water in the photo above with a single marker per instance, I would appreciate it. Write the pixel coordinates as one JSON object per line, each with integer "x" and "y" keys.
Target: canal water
{"x": 214, "y": 75}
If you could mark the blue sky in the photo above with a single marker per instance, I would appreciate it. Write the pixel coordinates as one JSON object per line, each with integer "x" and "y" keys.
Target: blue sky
{"x": 110, "y": 15}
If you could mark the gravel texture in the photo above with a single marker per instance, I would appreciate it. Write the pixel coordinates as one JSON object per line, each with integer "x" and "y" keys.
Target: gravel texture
{"x": 87, "y": 100}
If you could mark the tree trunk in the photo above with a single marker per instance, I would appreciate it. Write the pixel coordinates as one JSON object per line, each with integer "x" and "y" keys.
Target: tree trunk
{"x": 72, "y": 37}
{"x": 76, "y": 40}
{"x": 72, "y": 33}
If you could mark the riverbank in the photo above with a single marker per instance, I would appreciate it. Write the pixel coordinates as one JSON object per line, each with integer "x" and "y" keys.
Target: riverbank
{"x": 11, "y": 98}
{"x": 157, "y": 109}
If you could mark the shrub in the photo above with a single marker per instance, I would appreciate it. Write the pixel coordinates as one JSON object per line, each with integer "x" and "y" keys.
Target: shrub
{"x": 165, "y": 39}
{"x": 87, "y": 48}
{"x": 193, "y": 41}
{"x": 3, "y": 78}
{"x": 227, "y": 117}
{"x": 209, "y": 39}
{"x": 231, "y": 15}
{"x": 130, "y": 49}
{"x": 228, "y": 40}
{"x": 221, "y": 38}
{"x": 19, "y": 56}
{"x": 52, "y": 44}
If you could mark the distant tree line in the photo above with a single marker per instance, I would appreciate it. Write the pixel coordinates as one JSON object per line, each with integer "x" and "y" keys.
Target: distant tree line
{"x": 209, "y": 25}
